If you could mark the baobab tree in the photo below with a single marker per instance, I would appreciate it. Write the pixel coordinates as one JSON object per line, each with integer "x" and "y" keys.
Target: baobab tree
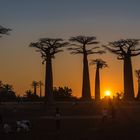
{"x": 80, "y": 47}
{"x": 125, "y": 49}
{"x": 99, "y": 65}
{"x": 137, "y": 72}
{"x": 48, "y": 47}
{"x": 35, "y": 84}
{"x": 4, "y": 30}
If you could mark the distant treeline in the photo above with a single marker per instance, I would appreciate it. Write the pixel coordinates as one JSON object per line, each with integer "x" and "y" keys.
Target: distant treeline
{"x": 7, "y": 93}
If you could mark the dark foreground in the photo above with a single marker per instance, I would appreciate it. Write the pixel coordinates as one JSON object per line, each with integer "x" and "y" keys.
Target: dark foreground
{"x": 82, "y": 121}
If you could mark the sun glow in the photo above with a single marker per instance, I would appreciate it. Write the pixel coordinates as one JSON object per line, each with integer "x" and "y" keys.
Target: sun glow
{"x": 107, "y": 93}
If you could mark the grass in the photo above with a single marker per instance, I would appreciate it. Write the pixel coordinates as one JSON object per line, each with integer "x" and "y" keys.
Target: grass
{"x": 125, "y": 126}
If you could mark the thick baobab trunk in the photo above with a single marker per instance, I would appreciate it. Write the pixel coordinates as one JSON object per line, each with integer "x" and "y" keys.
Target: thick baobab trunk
{"x": 86, "y": 94}
{"x": 128, "y": 79}
{"x": 34, "y": 89}
{"x": 40, "y": 87}
{"x": 49, "y": 81}
{"x": 97, "y": 85}
{"x": 138, "y": 95}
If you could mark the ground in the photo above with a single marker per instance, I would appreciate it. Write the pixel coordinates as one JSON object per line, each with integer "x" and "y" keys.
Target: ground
{"x": 80, "y": 121}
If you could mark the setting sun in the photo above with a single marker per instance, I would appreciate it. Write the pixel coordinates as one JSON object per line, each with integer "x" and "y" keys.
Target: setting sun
{"x": 107, "y": 93}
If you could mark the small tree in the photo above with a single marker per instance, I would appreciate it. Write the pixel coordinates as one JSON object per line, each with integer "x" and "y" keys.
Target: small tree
{"x": 35, "y": 84}
{"x": 125, "y": 49}
{"x": 6, "y": 92}
{"x": 81, "y": 43}
{"x": 62, "y": 93}
{"x": 30, "y": 96}
{"x": 28, "y": 93}
{"x": 99, "y": 65}
{"x": 48, "y": 47}
{"x": 1, "y": 84}
{"x": 4, "y": 30}
{"x": 119, "y": 95}
{"x": 8, "y": 87}
{"x": 137, "y": 72}
{"x": 40, "y": 87}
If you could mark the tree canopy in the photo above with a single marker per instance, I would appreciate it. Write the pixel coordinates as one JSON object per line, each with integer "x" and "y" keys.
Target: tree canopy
{"x": 6, "y": 91}
{"x": 4, "y": 30}
{"x": 99, "y": 62}
{"x": 48, "y": 47}
{"x": 124, "y": 48}
{"x": 80, "y": 43}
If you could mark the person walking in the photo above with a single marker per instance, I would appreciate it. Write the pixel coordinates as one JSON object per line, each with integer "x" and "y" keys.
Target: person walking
{"x": 58, "y": 119}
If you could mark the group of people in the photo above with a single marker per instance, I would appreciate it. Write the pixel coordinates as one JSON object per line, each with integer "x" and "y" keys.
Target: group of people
{"x": 109, "y": 111}
{"x": 19, "y": 126}
{"x": 25, "y": 125}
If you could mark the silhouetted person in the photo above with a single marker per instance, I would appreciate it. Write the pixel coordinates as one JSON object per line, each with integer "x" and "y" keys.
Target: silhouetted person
{"x": 1, "y": 124}
{"x": 24, "y": 125}
{"x": 1, "y": 120}
{"x": 57, "y": 119}
{"x": 18, "y": 100}
{"x": 104, "y": 114}
{"x": 112, "y": 109}
{"x": 113, "y": 112}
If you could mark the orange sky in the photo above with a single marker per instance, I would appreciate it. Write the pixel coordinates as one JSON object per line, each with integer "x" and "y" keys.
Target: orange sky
{"x": 24, "y": 66}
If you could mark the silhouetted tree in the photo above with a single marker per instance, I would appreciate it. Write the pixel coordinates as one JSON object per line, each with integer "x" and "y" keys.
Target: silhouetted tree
{"x": 48, "y": 47}
{"x": 62, "y": 93}
{"x": 81, "y": 43}
{"x": 1, "y": 90}
{"x": 119, "y": 95}
{"x": 1, "y": 84}
{"x": 125, "y": 49}
{"x": 99, "y": 65}
{"x": 6, "y": 92}
{"x": 8, "y": 87}
{"x": 30, "y": 95}
{"x": 35, "y": 84}
{"x": 137, "y": 72}
{"x": 4, "y": 30}
{"x": 40, "y": 87}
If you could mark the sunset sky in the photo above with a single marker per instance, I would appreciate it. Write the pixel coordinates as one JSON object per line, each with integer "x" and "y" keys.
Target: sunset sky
{"x": 108, "y": 20}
